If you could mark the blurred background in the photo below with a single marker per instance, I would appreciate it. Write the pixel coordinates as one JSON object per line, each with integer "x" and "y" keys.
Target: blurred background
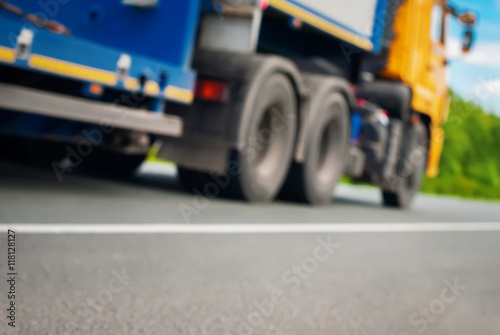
{"x": 107, "y": 235}
{"x": 470, "y": 165}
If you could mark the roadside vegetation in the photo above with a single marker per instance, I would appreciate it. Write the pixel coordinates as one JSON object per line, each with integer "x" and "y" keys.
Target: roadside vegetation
{"x": 470, "y": 164}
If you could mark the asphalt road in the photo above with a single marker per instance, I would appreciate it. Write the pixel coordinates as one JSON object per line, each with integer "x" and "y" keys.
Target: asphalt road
{"x": 350, "y": 280}
{"x": 32, "y": 195}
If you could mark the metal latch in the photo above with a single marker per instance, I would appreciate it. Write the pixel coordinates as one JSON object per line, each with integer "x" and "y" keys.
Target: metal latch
{"x": 123, "y": 66}
{"x": 24, "y": 41}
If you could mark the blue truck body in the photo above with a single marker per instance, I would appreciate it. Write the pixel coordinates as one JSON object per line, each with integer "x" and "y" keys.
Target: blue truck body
{"x": 159, "y": 42}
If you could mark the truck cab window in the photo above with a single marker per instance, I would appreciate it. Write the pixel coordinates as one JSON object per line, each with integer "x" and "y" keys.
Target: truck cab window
{"x": 437, "y": 24}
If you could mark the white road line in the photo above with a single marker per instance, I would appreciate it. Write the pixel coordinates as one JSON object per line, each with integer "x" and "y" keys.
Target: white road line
{"x": 249, "y": 228}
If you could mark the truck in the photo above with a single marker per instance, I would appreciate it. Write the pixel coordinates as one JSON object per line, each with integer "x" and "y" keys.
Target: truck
{"x": 251, "y": 99}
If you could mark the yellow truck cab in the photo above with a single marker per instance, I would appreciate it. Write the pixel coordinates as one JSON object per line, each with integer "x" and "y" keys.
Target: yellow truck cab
{"x": 417, "y": 57}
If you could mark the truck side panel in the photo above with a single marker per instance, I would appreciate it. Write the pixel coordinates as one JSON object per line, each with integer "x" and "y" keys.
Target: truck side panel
{"x": 358, "y": 22}
{"x": 101, "y": 32}
{"x": 163, "y": 32}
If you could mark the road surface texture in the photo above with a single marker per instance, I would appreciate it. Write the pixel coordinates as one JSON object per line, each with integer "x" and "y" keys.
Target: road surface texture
{"x": 30, "y": 195}
{"x": 352, "y": 267}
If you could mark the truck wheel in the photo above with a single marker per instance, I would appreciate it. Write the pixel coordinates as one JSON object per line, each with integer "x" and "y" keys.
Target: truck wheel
{"x": 269, "y": 141}
{"x": 411, "y": 171}
{"x": 314, "y": 180}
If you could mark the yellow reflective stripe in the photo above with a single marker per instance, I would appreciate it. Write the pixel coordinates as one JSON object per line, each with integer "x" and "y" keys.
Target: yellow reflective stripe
{"x": 7, "y": 55}
{"x": 152, "y": 88}
{"x": 131, "y": 84}
{"x": 104, "y": 77}
{"x": 72, "y": 70}
{"x": 321, "y": 23}
{"x": 179, "y": 94}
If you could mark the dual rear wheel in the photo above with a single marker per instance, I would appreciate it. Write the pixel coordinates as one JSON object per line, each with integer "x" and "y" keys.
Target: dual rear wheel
{"x": 314, "y": 178}
{"x": 264, "y": 160}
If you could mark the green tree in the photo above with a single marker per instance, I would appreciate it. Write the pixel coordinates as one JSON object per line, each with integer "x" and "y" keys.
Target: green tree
{"x": 470, "y": 164}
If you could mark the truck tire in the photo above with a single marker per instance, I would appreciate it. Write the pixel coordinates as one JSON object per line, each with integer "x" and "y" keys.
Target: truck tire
{"x": 269, "y": 141}
{"x": 410, "y": 170}
{"x": 326, "y": 144}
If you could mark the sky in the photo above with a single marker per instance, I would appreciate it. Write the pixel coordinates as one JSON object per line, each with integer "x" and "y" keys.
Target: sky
{"x": 476, "y": 75}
